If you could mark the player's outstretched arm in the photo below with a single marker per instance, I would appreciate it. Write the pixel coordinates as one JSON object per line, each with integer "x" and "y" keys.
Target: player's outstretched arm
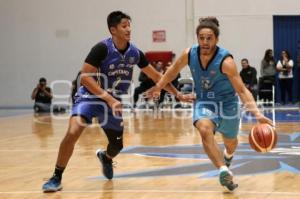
{"x": 163, "y": 81}
{"x": 230, "y": 69}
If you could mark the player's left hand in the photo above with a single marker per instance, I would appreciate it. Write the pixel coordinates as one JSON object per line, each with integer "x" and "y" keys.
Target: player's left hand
{"x": 116, "y": 107}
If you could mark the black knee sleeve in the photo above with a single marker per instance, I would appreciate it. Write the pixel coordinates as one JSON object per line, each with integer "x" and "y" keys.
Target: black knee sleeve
{"x": 115, "y": 142}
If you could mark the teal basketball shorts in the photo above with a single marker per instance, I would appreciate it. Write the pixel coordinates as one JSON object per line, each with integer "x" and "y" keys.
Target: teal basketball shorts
{"x": 225, "y": 115}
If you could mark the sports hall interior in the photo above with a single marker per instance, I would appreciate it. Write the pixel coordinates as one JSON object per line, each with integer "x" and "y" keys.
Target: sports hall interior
{"x": 163, "y": 156}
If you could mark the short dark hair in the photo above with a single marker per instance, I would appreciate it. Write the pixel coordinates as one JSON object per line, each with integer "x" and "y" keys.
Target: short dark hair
{"x": 245, "y": 59}
{"x": 42, "y": 80}
{"x": 209, "y": 22}
{"x": 115, "y": 17}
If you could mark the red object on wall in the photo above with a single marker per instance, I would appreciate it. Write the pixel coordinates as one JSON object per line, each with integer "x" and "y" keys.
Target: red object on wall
{"x": 164, "y": 56}
{"x": 159, "y": 36}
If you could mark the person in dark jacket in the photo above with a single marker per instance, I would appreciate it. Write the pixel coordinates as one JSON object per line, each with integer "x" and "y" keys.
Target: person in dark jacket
{"x": 249, "y": 77}
{"x": 42, "y": 97}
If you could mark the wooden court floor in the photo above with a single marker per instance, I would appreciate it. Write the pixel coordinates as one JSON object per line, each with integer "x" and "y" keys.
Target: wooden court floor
{"x": 162, "y": 158}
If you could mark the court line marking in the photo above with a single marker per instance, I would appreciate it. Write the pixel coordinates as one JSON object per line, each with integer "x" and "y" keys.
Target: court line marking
{"x": 157, "y": 191}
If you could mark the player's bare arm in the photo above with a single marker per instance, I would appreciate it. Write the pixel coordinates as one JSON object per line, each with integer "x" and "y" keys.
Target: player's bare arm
{"x": 230, "y": 69}
{"x": 155, "y": 76}
{"x": 169, "y": 76}
{"x": 174, "y": 70}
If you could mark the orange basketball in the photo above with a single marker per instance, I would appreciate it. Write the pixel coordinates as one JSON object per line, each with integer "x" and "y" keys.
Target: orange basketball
{"x": 262, "y": 138}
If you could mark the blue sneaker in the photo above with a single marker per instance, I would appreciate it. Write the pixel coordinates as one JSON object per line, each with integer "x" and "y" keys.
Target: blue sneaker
{"x": 107, "y": 167}
{"x": 226, "y": 180}
{"x": 52, "y": 185}
{"x": 227, "y": 161}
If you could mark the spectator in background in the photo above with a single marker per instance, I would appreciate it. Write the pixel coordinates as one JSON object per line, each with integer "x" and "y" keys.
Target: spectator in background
{"x": 42, "y": 97}
{"x": 145, "y": 84}
{"x": 285, "y": 69}
{"x": 159, "y": 66}
{"x": 267, "y": 79}
{"x": 248, "y": 75}
{"x": 268, "y": 67}
{"x": 175, "y": 83}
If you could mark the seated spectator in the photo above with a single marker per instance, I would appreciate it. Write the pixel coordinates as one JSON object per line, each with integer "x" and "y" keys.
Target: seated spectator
{"x": 248, "y": 75}
{"x": 145, "y": 84}
{"x": 285, "y": 69}
{"x": 268, "y": 67}
{"x": 42, "y": 97}
{"x": 175, "y": 83}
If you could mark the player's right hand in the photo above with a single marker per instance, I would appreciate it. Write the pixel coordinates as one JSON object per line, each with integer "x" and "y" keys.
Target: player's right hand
{"x": 115, "y": 106}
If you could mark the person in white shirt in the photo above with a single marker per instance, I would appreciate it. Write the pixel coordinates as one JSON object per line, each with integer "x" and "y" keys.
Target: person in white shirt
{"x": 285, "y": 69}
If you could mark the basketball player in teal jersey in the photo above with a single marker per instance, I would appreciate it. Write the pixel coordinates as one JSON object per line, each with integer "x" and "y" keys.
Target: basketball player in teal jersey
{"x": 216, "y": 107}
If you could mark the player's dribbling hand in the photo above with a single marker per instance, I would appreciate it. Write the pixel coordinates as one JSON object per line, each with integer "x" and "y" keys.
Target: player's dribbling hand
{"x": 263, "y": 119}
{"x": 186, "y": 97}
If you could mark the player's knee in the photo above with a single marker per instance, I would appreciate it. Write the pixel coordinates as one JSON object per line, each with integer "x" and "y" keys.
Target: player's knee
{"x": 115, "y": 139}
{"x": 205, "y": 128}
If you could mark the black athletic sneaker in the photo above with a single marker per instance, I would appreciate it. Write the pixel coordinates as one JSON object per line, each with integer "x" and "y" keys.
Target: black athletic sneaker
{"x": 107, "y": 167}
{"x": 52, "y": 185}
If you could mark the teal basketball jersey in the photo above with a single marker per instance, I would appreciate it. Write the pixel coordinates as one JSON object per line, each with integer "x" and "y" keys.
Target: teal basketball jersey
{"x": 210, "y": 83}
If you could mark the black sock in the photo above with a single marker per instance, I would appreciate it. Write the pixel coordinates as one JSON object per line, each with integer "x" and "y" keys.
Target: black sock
{"x": 58, "y": 172}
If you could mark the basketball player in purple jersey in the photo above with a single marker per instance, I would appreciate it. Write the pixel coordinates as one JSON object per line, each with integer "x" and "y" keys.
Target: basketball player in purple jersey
{"x": 114, "y": 58}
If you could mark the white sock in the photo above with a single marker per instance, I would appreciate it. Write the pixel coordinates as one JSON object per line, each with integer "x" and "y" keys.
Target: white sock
{"x": 223, "y": 168}
{"x": 227, "y": 155}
